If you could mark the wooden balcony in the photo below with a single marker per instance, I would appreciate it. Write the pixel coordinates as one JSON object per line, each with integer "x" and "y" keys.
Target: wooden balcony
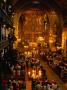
{"x": 3, "y": 44}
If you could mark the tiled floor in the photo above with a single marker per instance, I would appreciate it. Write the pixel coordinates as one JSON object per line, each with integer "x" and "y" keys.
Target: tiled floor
{"x": 28, "y": 83}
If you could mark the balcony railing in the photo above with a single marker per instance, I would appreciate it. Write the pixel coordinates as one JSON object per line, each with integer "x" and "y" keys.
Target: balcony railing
{"x": 3, "y": 44}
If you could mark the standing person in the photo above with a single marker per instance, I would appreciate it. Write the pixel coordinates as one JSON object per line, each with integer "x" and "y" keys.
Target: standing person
{"x": 23, "y": 86}
{"x": 58, "y": 88}
{"x": 33, "y": 84}
{"x": 11, "y": 87}
{"x": 38, "y": 86}
{"x": 54, "y": 85}
{"x": 14, "y": 85}
{"x": 50, "y": 88}
{"x": 8, "y": 83}
{"x": 44, "y": 86}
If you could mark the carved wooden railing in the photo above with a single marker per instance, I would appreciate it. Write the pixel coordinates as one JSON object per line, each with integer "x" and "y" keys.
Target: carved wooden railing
{"x": 4, "y": 44}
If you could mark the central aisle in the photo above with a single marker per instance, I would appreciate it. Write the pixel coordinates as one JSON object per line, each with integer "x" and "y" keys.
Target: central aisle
{"x": 28, "y": 82}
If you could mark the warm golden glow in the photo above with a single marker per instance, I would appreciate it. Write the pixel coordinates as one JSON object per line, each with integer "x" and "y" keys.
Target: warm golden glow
{"x": 40, "y": 73}
{"x": 25, "y": 46}
{"x": 40, "y": 39}
{"x": 33, "y": 44}
{"x": 29, "y": 73}
{"x": 64, "y": 37}
{"x": 37, "y": 26}
{"x": 33, "y": 74}
{"x": 33, "y": 26}
{"x": 64, "y": 41}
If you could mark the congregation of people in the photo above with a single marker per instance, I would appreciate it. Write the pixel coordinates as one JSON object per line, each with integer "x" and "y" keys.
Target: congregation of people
{"x": 36, "y": 74}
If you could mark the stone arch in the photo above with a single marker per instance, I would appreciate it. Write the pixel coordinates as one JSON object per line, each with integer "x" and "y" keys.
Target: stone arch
{"x": 55, "y": 25}
{"x": 55, "y": 32}
{"x": 20, "y": 25}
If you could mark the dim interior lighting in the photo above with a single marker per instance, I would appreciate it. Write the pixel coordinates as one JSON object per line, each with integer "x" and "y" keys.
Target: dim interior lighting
{"x": 4, "y": 25}
{"x": 33, "y": 74}
{"x": 25, "y": 46}
{"x": 33, "y": 44}
{"x": 58, "y": 47}
{"x": 40, "y": 39}
{"x": 40, "y": 73}
{"x": 18, "y": 40}
{"x": 36, "y": 2}
{"x": 51, "y": 41}
{"x": 29, "y": 73}
{"x": 5, "y": 0}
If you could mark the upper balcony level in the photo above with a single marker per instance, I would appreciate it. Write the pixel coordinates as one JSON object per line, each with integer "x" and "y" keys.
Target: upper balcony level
{"x": 3, "y": 44}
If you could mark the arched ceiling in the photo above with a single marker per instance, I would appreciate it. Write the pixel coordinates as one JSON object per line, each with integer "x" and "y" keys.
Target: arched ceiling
{"x": 58, "y": 4}
{"x": 47, "y": 5}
